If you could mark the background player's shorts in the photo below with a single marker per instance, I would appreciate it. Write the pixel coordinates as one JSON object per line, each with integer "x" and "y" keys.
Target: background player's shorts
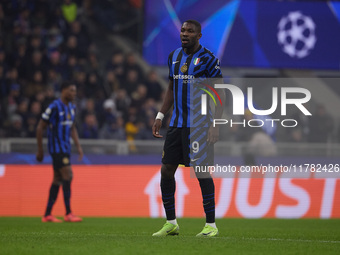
{"x": 60, "y": 160}
{"x": 178, "y": 149}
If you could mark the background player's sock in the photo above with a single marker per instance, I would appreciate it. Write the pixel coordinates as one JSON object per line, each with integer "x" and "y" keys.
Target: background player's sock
{"x": 52, "y": 198}
{"x": 67, "y": 195}
{"x": 168, "y": 187}
{"x": 208, "y": 194}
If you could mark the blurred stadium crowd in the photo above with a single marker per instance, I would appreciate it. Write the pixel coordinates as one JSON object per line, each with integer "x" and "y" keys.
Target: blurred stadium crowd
{"x": 43, "y": 43}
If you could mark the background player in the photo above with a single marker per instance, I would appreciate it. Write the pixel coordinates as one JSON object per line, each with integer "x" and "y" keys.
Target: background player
{"x": 190, "y": 60}
{"x": 59, "y": 119}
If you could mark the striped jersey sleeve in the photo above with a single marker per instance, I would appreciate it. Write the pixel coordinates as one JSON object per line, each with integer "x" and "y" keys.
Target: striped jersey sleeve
{"x": 171, "y": 74}
{"x": 213, "y": 66}
{"x": 49, "y": 112}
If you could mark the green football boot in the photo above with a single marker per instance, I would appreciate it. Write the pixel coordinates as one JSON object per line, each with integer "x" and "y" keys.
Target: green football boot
{"x": 168, "y": 230}
{"x": 208, "y": 231}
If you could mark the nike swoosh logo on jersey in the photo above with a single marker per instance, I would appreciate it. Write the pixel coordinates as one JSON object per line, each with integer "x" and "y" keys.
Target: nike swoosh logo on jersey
{"x": 193, "y": 160}
{"x": 61, "y": 114}
{"x": 174, "y": 62}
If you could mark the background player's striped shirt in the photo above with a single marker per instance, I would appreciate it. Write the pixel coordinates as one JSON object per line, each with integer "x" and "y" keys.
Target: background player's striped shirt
{"x": 183, "y": 69}
{"x": 60, "y": 118}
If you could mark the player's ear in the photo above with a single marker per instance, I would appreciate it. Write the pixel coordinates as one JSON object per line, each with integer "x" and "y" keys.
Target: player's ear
{"x": 199, "y": 36}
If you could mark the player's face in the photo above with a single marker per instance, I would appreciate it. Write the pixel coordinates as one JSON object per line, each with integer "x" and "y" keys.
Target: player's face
{"x": 70, "y": 93}
{"x": 189, "y": 35}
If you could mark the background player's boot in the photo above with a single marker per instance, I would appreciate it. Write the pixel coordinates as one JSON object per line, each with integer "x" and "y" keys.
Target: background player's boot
{"x": 168, "y": 230}
{"x": 72, "y": 218}
{"x": 50, "y": 218}
{"x": 208, "y": 231}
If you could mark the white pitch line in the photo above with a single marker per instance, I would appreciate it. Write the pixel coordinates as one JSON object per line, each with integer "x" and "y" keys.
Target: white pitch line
{"x": 143, "y": 234}
{"x": 279, "y": 239}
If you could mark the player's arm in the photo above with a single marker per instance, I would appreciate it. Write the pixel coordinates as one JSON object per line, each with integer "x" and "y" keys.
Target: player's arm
{"x": 42, "y": 125}
{"x": 167, "y": 104}
{"x": 75, "y": 138}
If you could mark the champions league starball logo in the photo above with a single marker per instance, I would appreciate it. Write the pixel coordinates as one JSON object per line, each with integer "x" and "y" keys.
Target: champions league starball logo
{"x": 296, "y": 34}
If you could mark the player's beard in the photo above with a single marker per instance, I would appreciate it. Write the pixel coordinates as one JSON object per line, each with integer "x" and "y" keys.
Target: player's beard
{"x": 188, "y": 43}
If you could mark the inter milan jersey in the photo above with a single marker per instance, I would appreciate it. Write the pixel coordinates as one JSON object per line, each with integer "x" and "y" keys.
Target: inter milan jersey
{"x": 60, "y": 118}
{"x": 183, "y": 70}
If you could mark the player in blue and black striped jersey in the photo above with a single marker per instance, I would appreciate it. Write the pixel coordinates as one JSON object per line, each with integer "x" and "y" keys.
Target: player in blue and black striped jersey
{"x": 192, "y": 62}
{"x": 58, "y": 119}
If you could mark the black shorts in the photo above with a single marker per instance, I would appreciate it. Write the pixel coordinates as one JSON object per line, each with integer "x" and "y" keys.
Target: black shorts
{"x": 60, "y": 160}
{"x": 179, "y": 149}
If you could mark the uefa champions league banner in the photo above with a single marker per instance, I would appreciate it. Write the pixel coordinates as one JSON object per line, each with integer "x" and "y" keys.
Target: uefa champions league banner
{"x": 249, "y": 33}
{"x": 134, "y": 191}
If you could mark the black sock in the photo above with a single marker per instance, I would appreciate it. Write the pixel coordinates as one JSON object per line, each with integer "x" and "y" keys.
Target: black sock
{"x": 52, "y": 198}
{"x": 67, "y": 195}
{"x": 168, "y": 187}
{"x": 208, "y": 194}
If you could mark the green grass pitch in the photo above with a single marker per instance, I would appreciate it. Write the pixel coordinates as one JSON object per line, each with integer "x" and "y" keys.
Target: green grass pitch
{"x": 133, "y": 236}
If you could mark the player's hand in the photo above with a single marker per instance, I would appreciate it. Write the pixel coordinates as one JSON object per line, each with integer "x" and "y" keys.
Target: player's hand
{"x": 156, "y": 127}
{"x": 40, "y": 155}
{"x": 213, "y": 134}
{"x": 81, "y": 153}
